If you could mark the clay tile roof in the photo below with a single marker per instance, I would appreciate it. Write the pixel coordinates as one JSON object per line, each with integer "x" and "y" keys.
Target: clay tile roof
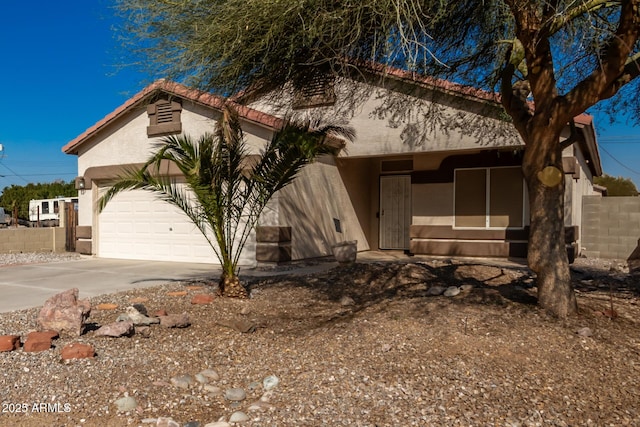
{"x": 444, "y": 85}
{"x": 178, "y": 90}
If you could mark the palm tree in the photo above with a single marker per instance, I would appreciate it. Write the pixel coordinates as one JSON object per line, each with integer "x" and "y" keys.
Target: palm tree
{"x": 226, "y": 189}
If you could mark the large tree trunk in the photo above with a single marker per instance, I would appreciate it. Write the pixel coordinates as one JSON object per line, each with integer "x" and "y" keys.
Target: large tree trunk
{"x": 547, "y": 254}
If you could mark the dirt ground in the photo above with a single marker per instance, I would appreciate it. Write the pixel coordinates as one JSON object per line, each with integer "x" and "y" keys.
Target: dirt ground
{"x": 363, "y": 345}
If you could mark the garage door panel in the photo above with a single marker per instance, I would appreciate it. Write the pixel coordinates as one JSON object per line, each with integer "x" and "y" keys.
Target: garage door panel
{"x": 136, "y": 225}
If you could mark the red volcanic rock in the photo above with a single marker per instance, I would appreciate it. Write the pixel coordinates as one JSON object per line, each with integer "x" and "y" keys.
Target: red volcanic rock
{"x": 9, "y": 342}
{"x": 175, "y": 321}
{"x": 202, "y": 299}
{"x": 38, "y": 341}
{"x": 77, "y": 351}
{"x": 64, "y": 312}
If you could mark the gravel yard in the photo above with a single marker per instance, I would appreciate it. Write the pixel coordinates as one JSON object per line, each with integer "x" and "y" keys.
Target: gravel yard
{"x": 31, "y": 258}
{"x": 362, "y": 345}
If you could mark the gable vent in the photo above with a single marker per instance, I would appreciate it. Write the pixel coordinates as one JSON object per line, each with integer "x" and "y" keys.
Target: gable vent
{"x": 164, "y": 112}
{"x": 317, "y": 91}
{"x": 164, "y": 117}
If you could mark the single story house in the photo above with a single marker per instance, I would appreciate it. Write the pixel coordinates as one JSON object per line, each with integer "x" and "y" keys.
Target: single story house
{"x": 434, "y": 169}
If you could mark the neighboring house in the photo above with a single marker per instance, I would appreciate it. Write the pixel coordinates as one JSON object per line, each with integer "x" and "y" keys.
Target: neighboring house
{"x": 434, "y": 169}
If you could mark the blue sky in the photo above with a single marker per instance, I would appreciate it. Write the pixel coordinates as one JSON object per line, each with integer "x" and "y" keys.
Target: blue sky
{"x": 62, "y": 72}
{"x": 59, "y": 73}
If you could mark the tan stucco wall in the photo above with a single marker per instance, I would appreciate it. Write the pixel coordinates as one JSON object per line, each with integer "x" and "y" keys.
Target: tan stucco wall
{"x": 47, "y": 239}
{"x": 358, "y": 176}
{"x": 309, "y": 206}
{"x": 575, "y": 190}
{"x": 388, "y": 121}
{"x": 125, "y": 141}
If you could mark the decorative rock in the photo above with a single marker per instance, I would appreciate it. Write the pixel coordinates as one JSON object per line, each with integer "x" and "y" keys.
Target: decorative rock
{"x": 64, "y": 312}
{"x": 466, "y": 287}
{"x": 177, "y": 293}
{"x": 452, "y": 291}
{"x": 235, "y": 394}
{"x": 77, "y": 351}
{"x": 117, "y": 329}
{"x": 141, "y": 309}
{"x": 210, "y": 374}
{"x": 38, "y": 341}
{"x": 584, "y": 332}
{"x": 267, "y": 396}
{"x": 175, "y": 320}
{"x": 201, "y": 378}
{"x": 126, "y": 404}
{"x": 140, "y": 319}
{"x": 238, "y": 417}
{"x": 123, "y": 318}
{"x": 192, "y": 424}
{"x": 202, "y": 299}
{"x": 218, "y": 424}
{"x": 51, "y": 333}
{"x": 160, "y": 313}
{"x": 346, "y": 300}
{"x": 259, "y": 406}
{"x": 212, "y": 389}
{"x": 241, "y": 325}
{"x": 9, "y": 342}
{"x": 478, "y": 272}
{"x": 182, "y": 381}
{"x": 435, "y": 290}
{"x": 270, "y": 382}
{"x": 166, "y": 422}
{"x": 143, "y": 331}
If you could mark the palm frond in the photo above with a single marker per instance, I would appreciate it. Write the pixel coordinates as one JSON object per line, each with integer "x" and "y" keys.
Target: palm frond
{"x": 222, "y": 195}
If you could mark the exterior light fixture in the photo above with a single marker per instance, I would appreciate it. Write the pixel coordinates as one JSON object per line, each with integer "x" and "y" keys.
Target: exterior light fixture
{"x": 80, "y": 184}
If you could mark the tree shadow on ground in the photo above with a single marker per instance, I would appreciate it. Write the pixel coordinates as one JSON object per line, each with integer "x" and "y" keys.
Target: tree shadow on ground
{"x": 342, "y": 293}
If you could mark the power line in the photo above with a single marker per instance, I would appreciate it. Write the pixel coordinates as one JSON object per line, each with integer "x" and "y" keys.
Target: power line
{"x": 14, "y": 172}
{"x": 41, "y": 174}
{"x": 619, "y": 162}
{"x": 620, "y": 139}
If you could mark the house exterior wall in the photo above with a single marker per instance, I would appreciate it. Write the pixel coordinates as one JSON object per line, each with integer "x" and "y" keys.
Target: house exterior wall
{"x": 577, "y": 186}
{"x": 125, "y": 141}
{"x": 338, "y": 199}
{"x": 398, "y": 119}
{"x": 312, "y": 204}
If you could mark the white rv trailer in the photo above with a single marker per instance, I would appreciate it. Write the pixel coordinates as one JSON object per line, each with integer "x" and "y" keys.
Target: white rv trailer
{"x": 47, "y": 211}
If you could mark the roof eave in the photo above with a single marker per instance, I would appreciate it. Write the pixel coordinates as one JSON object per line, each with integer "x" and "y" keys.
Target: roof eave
{"x": 178, "y": 90}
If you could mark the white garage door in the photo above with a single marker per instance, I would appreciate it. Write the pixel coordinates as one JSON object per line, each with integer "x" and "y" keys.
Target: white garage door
{"x": 136, "y": 225}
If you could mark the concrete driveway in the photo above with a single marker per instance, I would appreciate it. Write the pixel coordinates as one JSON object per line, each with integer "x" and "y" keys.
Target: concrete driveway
{"x": 27, "y": 286}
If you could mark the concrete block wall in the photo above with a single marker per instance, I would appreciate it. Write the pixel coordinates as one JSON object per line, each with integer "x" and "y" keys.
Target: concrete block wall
{"x": 610, "y": 226}
{"x": 46, "y": 239}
